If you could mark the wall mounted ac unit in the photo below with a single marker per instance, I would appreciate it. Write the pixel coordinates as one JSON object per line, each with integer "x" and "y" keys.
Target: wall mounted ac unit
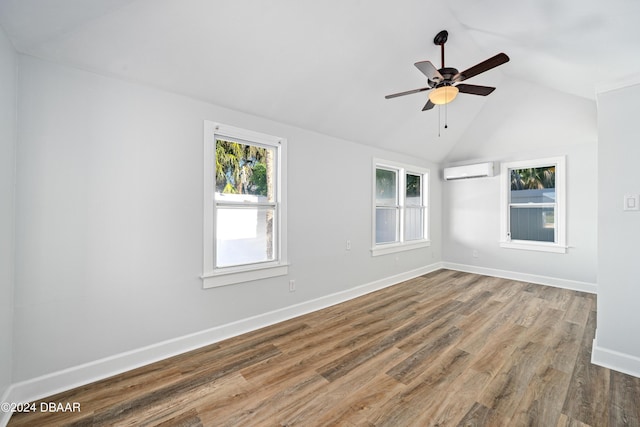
{"x": 468, "y": 171}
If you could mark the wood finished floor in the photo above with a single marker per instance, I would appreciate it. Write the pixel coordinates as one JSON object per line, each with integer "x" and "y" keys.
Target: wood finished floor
{"x": 444, "y": 349}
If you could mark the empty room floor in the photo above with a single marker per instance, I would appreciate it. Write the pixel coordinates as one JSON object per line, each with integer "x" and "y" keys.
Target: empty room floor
{"x": 447, "y": 348}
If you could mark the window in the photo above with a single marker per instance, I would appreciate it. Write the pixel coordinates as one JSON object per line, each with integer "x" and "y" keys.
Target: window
{"x": 400, "y": 207}
{"x": 244, "y": 214}
{"x": 533, "y": 205}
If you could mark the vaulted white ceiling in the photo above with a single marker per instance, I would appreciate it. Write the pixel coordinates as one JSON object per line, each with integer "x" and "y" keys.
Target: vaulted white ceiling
{"x": 327, "y": 65}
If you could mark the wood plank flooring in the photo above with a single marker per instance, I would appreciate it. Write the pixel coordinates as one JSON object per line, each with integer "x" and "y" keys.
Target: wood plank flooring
{"x": 445, "y": 349}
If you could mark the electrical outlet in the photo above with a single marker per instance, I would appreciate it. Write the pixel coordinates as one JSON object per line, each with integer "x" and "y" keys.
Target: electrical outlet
{"x": 631, "y": 202}
{"x": 348, "y": 245}
{"x": 292, "y": 285}
{"x": 475, "y": 253}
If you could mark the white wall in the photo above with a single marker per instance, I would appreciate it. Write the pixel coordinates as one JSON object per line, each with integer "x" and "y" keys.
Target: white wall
{"x": 8, "y": 83}
{"x": 525, "y": 121}
{"x": 109, "y": 220}
{"x": 618, "y": 341}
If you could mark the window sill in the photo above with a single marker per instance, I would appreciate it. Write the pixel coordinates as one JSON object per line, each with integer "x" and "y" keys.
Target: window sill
{"x": 399, "y": 247}
{"x": 232, "y": 275}
{"x": 531, "y": 246}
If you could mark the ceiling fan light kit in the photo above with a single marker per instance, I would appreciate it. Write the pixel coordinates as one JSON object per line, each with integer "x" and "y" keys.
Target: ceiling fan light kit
{"x": 443, "y": 94}
{"x": 444, "y": 84}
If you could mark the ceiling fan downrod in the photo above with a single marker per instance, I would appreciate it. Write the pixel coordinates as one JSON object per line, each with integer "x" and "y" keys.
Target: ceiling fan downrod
{"x": 440, "y": 39}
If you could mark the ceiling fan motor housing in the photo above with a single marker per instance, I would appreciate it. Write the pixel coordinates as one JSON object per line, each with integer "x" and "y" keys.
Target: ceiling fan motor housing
{"x": 447, "y": 73}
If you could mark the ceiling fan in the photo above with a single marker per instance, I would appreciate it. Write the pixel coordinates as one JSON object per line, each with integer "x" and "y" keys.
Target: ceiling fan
{"x": 445, "y": 82}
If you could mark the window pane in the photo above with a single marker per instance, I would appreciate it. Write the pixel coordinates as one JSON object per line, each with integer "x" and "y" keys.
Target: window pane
{"x": 244, "y": 235}
{"x": 245, "y": 169}
{"x": 537, "y": 224}
{"x": 413, "y": 191}
{"x": 386, "y": 185}
{"x": 414, "y": 224}
{"x": 386, "y": 225}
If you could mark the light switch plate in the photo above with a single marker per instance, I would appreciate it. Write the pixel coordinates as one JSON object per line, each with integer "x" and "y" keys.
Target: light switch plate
{"x": 631, "y": 202}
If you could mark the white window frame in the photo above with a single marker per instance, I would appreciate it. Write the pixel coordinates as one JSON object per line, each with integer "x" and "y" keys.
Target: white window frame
{"x": 560, "y": 244}
{"x": 402, "y": 170}
{"x": 215, "y": 277}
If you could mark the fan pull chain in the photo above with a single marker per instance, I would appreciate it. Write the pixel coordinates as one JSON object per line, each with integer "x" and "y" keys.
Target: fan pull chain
{"x": 445, "y": 116}
{"x": 446, "y": 126}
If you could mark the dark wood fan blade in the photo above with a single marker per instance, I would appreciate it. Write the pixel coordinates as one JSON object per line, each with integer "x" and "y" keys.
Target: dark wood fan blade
{"x": 428, "y": 106}
{"x": 429, "y": 70}
{"x": 409, "y": 92}
{"x": 490, "y": 63}
{"x": 475, "y": 89}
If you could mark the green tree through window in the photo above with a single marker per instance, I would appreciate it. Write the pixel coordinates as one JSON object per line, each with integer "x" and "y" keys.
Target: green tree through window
{"x": 241, "y": 168}
{"x": 533, "y": 178}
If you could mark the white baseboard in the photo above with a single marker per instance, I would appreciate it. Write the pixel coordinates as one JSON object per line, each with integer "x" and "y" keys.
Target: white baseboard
{"x": 574, "y": 285}
{"x": 56, "y": 382}
{"x": 615, "y": 360}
